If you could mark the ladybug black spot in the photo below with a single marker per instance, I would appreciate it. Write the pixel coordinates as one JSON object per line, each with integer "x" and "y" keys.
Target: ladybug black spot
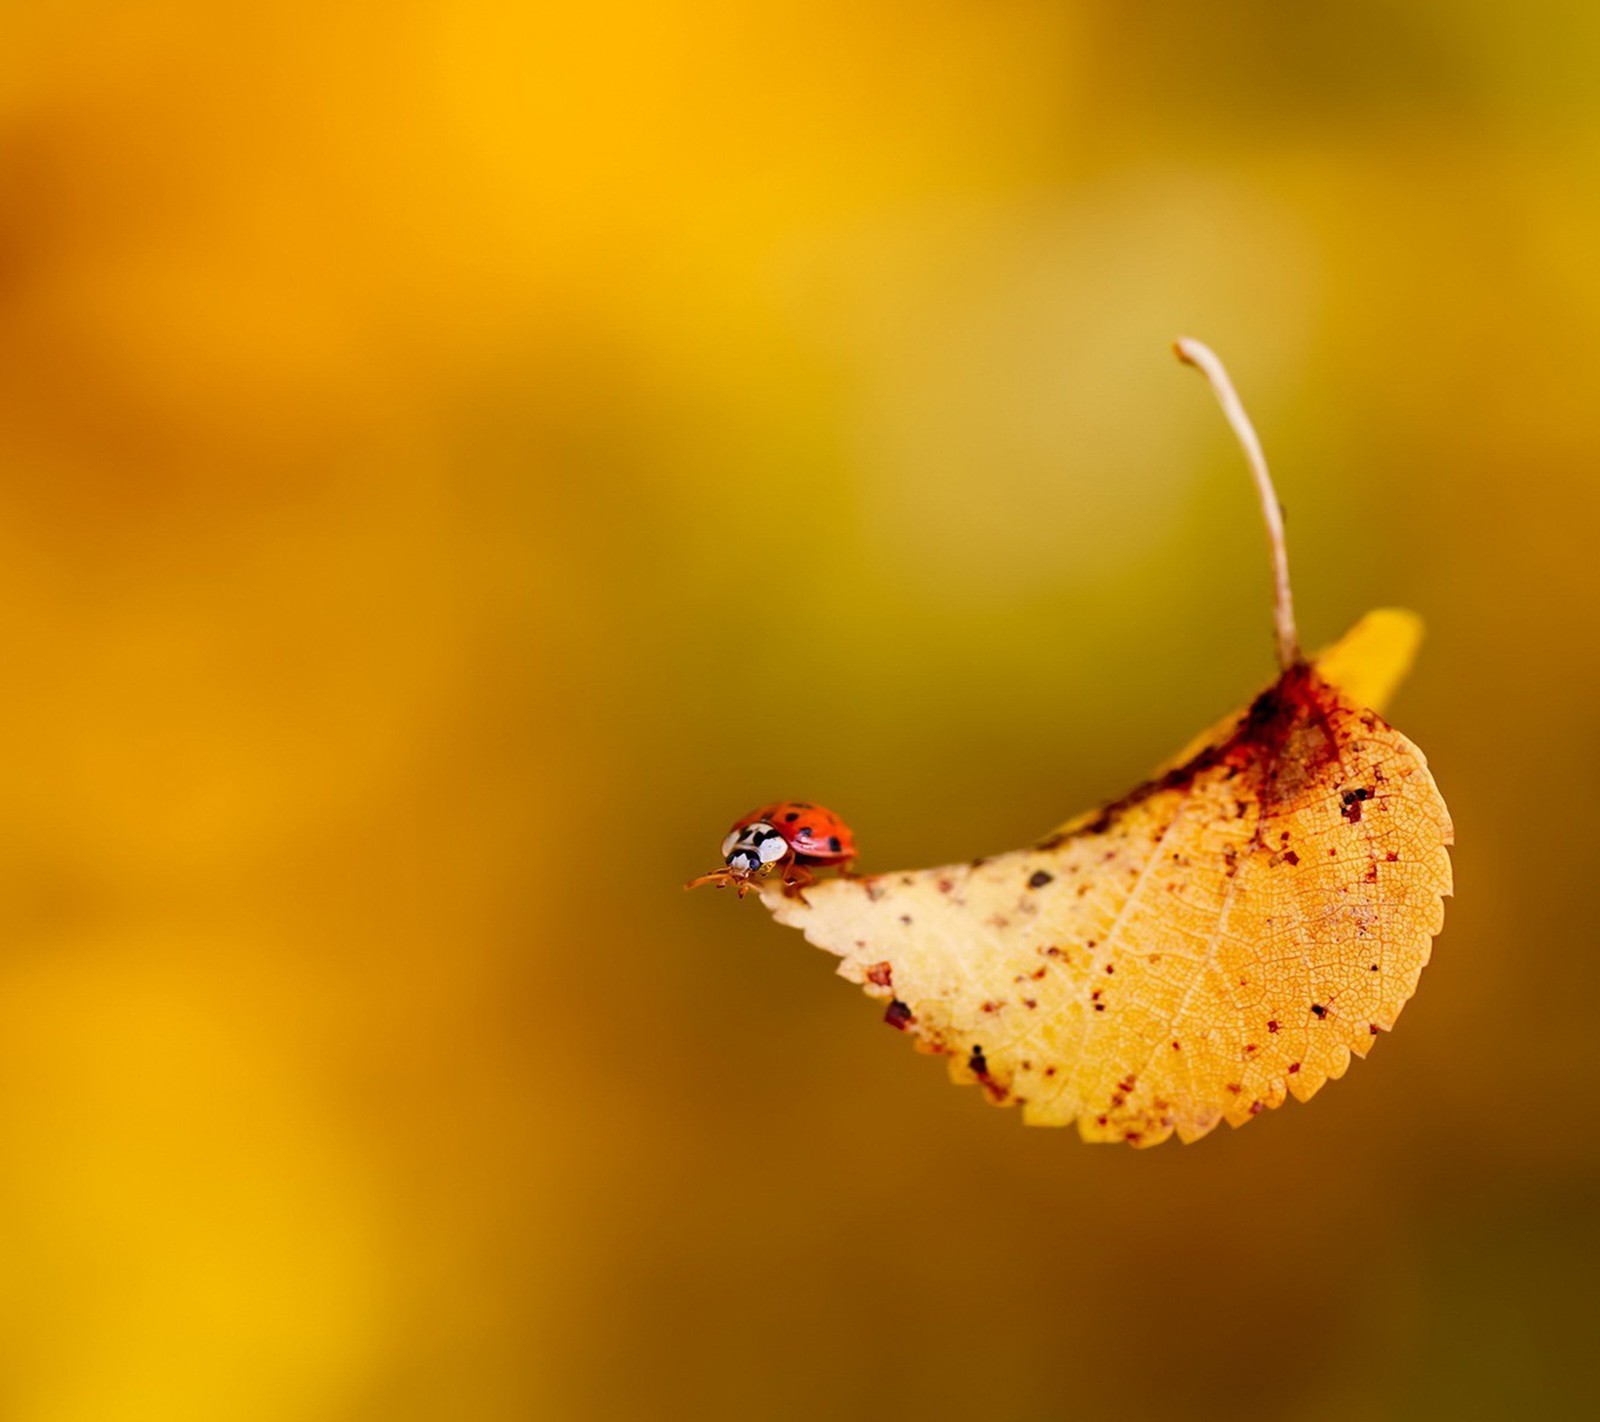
{"x": 834, "y": 843}
{"x": 792, "y": 816}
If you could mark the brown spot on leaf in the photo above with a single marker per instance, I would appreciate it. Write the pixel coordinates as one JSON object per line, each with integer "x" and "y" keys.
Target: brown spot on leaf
{"x": 898, "y": 1015}
{"x": 1352, "y": 801}
{"x": 881, "y": 975}
{"x": 1039, "y": 878}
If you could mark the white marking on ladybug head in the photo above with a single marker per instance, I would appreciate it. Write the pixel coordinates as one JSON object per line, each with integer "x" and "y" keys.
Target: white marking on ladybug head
{"x": 754, "y": 847}
{"x": 731, "y": 839}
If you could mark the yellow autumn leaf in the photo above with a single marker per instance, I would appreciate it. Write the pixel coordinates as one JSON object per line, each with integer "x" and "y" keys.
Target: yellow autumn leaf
{"x": 1224, "y": 936}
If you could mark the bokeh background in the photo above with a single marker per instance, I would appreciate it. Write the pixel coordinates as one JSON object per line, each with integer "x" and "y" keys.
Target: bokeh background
{"x": 455, "y": 457}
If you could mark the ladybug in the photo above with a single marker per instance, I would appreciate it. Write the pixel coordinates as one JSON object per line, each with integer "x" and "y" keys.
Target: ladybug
{"x": 789, "y": 838}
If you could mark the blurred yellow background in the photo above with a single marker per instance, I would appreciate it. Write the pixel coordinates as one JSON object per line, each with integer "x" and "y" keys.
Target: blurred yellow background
{"x": 456, "y": 457}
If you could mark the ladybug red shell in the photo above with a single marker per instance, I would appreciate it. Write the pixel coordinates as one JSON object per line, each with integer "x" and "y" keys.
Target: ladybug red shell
{"x": 815, "y": 834}
{"x": 787, "y": 840}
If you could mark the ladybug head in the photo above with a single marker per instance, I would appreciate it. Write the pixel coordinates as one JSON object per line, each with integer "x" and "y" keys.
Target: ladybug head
{"x": 753, "y": 847}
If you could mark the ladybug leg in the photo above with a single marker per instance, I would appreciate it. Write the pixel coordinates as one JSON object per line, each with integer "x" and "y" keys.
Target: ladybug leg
{"x": 719, "y": 878}
{"x": 795, "y": 879}
{"x": 722, "y": 878}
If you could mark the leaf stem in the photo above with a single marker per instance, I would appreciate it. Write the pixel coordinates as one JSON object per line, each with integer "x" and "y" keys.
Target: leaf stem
{"x": 1204, "y": 359}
